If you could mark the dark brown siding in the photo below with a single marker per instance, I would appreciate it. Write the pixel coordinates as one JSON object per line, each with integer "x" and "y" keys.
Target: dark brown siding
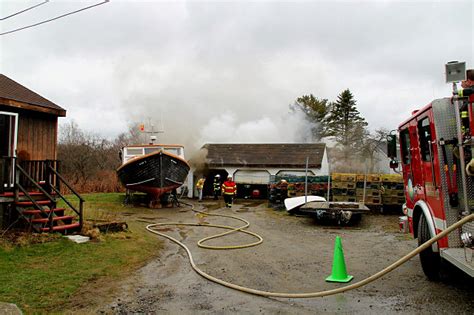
{"x": 37, "y": 135}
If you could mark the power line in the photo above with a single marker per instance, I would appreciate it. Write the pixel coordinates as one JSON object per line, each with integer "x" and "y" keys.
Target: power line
{"x": 55, "y": 18}
{"x": 27, "y": 9}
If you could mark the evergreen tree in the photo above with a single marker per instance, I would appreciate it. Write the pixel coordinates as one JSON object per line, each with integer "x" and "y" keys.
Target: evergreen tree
{"x": 345, "y": 124}
{"x": 344, "y": 119}
{"x": 315, "y": 110}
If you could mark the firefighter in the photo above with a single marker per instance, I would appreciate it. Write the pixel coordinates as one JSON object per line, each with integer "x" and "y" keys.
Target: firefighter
{"x": 229, "y": 189}
{"x": 200, "y": 186}
{"x": 217, "y": 186}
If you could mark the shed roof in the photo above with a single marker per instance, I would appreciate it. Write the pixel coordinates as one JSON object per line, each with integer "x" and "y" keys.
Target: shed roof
{"x": 265, "y": 154}
{"x": 11, "y": 90}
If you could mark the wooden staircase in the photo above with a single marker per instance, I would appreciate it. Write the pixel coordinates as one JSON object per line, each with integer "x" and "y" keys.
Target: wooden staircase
{"x": 35, "y": 198}
{"x": 47, "y": 217}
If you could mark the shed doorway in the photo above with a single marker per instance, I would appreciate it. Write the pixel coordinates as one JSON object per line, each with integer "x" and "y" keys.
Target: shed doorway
{"x": 252, "y": 183}
{"x": 8, "y": 141}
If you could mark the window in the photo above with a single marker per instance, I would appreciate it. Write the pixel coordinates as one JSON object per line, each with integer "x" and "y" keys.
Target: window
{"x": 174, "y": 151}
{"x": 424, "y": 134}
{"x": 405, "y": 143}
{"x": 134, "y": 151}
{"x": 151, "y": 150}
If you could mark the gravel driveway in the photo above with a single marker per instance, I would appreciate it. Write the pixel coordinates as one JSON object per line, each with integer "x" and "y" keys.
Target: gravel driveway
{"x": 295, "y": 256}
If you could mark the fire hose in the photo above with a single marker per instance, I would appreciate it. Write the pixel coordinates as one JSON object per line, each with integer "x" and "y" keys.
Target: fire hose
{"x": 353, "y": 286}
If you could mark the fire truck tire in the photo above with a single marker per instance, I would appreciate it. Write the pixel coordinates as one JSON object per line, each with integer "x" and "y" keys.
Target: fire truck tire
{"x": 430, "y": 261}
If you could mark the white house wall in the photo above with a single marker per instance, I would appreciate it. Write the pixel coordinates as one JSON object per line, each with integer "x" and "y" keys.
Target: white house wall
{"x": 272, "y": 171}
{"x": 324, "y": 170}
{"x": 190, "y": 183}
{"x": 258, "y": 177}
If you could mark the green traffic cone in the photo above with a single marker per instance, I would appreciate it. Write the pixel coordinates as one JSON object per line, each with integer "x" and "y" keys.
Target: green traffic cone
{"x": 339, "y": 272}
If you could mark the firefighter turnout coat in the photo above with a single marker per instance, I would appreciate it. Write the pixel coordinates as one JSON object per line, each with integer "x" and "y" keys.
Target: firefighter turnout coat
{"x": 229, "y": 188}
{"x": 200, "y": 183}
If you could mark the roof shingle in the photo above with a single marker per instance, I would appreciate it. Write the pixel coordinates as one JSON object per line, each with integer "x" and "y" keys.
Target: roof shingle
{"x": 265, "y": 154}
{"x": 13, "y": 90}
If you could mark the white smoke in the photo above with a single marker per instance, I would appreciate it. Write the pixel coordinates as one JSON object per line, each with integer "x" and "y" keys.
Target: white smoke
{"x": 226, "y": 128}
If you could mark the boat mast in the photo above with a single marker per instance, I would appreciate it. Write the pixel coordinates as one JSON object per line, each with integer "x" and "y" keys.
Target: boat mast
{"x": 151, "y": 132}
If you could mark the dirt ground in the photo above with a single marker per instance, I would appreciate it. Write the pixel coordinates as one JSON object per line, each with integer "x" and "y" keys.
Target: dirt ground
{"x": 295, "y": 256}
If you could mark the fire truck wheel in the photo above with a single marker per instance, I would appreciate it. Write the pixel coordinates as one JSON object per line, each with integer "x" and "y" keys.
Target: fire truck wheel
{"x": 430, "y": 261}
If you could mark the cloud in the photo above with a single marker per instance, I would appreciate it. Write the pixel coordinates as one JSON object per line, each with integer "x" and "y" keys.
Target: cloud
{"x": 190, "y": 65}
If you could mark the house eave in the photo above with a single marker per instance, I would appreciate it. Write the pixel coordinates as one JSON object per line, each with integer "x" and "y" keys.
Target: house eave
{"x": 32, "y": 107}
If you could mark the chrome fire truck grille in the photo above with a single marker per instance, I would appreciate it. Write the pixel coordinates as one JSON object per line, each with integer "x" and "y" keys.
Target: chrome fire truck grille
{"x": 445, "y": 126}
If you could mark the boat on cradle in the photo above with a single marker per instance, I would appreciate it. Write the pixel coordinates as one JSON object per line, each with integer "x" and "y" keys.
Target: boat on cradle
{"x": 154, "y": 169}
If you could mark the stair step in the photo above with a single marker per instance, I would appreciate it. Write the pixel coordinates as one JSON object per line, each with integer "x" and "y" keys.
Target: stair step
{"x": 63, "y": 227}
{"x": 29, "y": 203}
{"x": 39, "y": 211}
{"x": 11, "y": 194}
{"x": 59, "y": 218}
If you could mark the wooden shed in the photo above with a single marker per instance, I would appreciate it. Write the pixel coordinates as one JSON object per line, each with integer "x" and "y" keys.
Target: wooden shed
{"x": 29, "y": 172}
{"x": 28, "y": 122}
{"x": 253, "y": 164}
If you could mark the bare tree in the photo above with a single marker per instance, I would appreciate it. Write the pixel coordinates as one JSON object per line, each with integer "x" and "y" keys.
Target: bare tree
{"x": 372, "y": 148}
{"x": 88, "y": 161}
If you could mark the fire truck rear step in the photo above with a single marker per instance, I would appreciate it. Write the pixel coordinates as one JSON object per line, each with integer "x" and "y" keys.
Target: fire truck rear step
{"x": 457, "y": 257}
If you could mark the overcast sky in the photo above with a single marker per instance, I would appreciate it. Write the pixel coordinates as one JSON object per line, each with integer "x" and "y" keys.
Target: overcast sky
{"x": 226, "y": 71}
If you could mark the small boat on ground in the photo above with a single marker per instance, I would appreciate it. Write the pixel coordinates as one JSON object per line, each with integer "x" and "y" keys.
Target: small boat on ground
{"x": 294, "y": 203}
{"x": 155, "y": 169}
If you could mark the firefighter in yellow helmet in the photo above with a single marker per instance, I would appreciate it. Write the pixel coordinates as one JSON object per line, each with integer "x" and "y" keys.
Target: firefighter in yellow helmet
{"x": 200, "y": 186}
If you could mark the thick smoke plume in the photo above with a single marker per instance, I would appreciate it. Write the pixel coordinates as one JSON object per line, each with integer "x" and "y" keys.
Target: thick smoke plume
{"x": 191, "y": 128}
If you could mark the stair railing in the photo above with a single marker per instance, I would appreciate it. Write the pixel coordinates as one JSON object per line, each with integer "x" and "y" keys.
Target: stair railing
{"x": 27, "y": 195}
{"x": 3, "y": 171}
{"x": 56, "y": 189}
{"x": 6, "y": 173}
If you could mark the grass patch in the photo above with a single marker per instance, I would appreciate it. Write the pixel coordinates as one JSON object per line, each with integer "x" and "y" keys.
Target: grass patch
{"x": 42, "y": 278}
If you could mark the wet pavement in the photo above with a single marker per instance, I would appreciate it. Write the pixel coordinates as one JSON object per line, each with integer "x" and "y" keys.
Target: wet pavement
{"x": 295, "y": 257}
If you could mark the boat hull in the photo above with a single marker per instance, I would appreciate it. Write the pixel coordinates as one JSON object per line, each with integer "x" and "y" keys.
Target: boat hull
{"x": 294, "y": 203}
{"x": 155, "y": 174}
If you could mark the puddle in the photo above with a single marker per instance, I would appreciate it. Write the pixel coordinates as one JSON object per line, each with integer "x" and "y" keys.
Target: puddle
{"x": 183, "y": 235}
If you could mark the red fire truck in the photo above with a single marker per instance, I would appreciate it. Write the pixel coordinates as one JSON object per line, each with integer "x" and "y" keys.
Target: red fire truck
{"x": 436, "y": 155}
